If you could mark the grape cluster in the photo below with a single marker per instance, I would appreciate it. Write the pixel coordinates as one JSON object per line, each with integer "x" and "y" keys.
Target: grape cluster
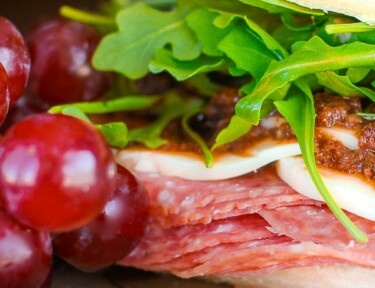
{"x": 60, "y": 190}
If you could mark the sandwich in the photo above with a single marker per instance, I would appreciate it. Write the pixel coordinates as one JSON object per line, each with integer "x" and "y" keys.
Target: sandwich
{"x": 251, "y": 125}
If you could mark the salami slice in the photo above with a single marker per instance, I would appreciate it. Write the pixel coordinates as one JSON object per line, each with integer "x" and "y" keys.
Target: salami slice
{"x": 249, "y": 225}
{"x": 178, "y": 202}
{"x": 236, "y": 246}
{"x": 317, "y": 224}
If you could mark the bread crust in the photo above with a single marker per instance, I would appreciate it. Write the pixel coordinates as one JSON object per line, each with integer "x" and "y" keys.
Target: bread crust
{"x": 364, "y": 10}
{"x": 330, "y": 276}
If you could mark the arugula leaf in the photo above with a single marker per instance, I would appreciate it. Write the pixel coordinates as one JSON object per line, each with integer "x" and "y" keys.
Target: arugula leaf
{"x": 142, "y": 31}
{"x": 209, "y": 35}
{"x": 342, "y": 85}
{"x": 208, "y": 158}
{"x": 183, "y": 70}
{"x": 88, "y": 17}
{"x": 237, "y": 127}
{"x": 357, "y": 74}
{"x": 368, "y": 116}
{"x": 115, "y": 133}
{"x": 312, "y": 57}
{"x": 203, "y": 85}
{"x": 280, "y": 6}
{"x": 75, "y": 112}
{"x": 113, "y": 6}
{"x": 271, "y": 43}
{"x": 298, "y": 23}
{"x": 237, "y": 7}
{"x": 127, "y": 103}
{"x": 247, "y": 51}
{"x": 349, "y": 28}
{"x": 225, "y": 20}
{"x": 173, "y": 108}
{"x": 298, "y": 110}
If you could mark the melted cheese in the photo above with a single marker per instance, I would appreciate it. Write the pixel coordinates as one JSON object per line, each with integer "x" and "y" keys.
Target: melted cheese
{"x": 350, "y": 192}
{"x": 191, "y": 167}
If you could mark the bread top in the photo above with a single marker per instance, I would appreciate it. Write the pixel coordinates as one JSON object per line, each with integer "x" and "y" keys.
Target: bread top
{"x": 363, "y": 10}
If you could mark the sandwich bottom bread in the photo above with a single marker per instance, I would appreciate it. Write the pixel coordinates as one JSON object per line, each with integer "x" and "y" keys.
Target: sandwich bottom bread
{"x": 343, "y": 276}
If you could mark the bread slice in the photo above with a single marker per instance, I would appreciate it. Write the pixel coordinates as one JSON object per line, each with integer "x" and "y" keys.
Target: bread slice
{"x": 364, "y": 10}
{"x": 330, "y": 276}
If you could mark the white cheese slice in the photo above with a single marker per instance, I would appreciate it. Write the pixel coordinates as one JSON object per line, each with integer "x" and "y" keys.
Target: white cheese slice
{"x": 350, "y": 192}
{"x": 346, "y": 136}
{"x": 192, "y": 167}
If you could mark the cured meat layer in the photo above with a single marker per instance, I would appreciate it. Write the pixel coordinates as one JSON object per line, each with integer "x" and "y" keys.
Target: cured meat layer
{"x": 176, "y": 202}
{"x": 249, "y": 225}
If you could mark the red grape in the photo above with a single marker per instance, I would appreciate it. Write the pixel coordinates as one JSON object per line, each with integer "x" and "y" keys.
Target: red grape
{"x": 15, "y": 58}
{"x": 24, "y": 107}
{"x": 25, "y": 255}
{"x": 56, "y": 172}
{"x": 4, "y": 94}
{"x": 61, "y": 52}
{"x": 114, "y": 233}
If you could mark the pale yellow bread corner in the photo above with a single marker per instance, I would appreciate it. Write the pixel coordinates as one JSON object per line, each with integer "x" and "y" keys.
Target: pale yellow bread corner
{"x": 363, "y": 10}
{"x": 330, "y": 276}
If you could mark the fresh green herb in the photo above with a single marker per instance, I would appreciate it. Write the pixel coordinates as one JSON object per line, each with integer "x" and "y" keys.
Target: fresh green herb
{"x": 349, "y": 28}
{"x": 368, "y": 116}
{"x": 75, "y": 112}
{"x": 115, "y": 133}
{"x": 209, "y": 159}
{"x": 87, "y": 17}
{"x": 237, "y": 127}
{"x": 182, "y": 70}
{"x": 203, "y": 85}
{"x": 248, "y": 52}
{"x": 312, "y": 57}
{"x": 201, "y": 21}
{"x": 127, "y": 103}
{"x": 298, "y": 110}
{"x": 130, "y": 50}
{"x": 282, "y": 5}
{"x": 173, "y": 108}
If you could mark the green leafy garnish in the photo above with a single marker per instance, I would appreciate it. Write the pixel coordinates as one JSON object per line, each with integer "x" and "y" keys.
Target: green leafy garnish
{"x": 298, "y": 110}
{"x": 368, "y": 116}
{"x": 248, "y": 52}
{"x": 127, "y": 103}
{"x": 183, "y": 70}
{"x": 115, "y": 133}
{"x": 342, "y": 85}
{"x": 173, "y": 108}
{"x": 75, "y": 112}
{"x": 209, "y": 35}
{"x": 130, "y": 50}
{"x": 285, "y": 4}
{"x": 237, "y": 127}
{"x": 208, "y": 158}
{"x": 312, "y": 57}
{"x": 349, "y": 28}
{"x": 87, "y": 17}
